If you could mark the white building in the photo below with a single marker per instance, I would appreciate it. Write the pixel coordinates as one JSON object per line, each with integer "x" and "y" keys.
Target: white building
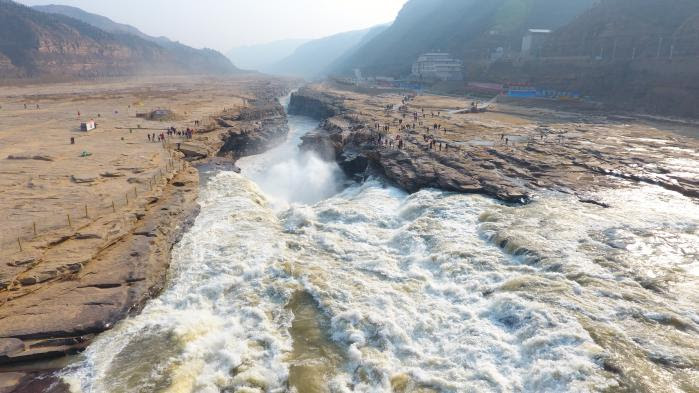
{"x": 533, "y": 41}
{"x": 88, "y": 126}
{"x": 439, "y": 66}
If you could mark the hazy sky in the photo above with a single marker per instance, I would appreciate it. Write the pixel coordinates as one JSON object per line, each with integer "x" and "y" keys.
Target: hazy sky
{"x": 224, "y": 24}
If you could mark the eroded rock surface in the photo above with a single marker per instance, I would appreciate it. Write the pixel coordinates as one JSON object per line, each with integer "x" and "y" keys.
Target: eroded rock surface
{"x": 508, "y": 154}
{"x": 253, "y": 130}
{"x": 89, "y": 281}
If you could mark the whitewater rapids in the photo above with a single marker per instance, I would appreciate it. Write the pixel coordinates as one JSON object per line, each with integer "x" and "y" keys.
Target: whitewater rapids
{"x": 293, "y": 280}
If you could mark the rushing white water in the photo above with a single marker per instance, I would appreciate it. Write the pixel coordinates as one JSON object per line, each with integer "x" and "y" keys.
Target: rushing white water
{"x": 288, "y": 176}
{"x": 430, "y": 292}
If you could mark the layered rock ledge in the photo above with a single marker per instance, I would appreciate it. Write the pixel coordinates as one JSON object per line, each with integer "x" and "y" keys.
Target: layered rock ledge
{"x": 509, "y": 153}
{"x": 83, "y": 283}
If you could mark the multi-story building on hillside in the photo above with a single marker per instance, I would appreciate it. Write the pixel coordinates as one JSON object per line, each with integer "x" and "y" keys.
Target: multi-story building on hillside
{"x": 438, "y": 66}
{"x": 534, "y": 41}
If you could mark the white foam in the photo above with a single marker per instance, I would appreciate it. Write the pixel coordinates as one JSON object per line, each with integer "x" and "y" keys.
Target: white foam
{"x": 415, "y": 286}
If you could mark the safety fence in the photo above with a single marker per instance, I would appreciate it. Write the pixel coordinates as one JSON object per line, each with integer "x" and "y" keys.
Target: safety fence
{"x": 68, "y": 222}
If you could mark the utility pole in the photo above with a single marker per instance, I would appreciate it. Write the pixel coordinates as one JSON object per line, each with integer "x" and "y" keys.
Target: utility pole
{"x": 660, "y": 46}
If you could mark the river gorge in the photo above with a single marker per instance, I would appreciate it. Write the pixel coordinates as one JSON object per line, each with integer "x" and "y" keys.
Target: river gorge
{"x": 295, "y": 279}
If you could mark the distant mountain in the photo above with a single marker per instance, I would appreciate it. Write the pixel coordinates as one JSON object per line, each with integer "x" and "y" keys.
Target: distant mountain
{"x": 196, "y": 60}
{"x": 261, "y": 57}
{"x": 95, "y": 20}
{"x": 312, "y": 59}
{"x": 641, "y": 55}
{"x": 39, "y": 44}
{"x": 338, "y": 63}
{"x": 633, "y": 24}
{"x": 465, "y": 28}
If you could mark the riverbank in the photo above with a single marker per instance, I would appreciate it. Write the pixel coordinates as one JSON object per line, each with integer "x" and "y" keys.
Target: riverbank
{"x": 508, "y": 153}
{"x": 293, "y": 278}
{"x": 91, "y": 224}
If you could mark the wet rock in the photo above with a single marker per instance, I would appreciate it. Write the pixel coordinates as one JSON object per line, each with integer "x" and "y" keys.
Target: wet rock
{"x": 311, "y": 103}
{"x": 353, "y": 164}
{"x": 670, "y": 360}
{"x": 594, "y": 202}
{"x": 10, "y": 381}
{"x": 32, "y": 382}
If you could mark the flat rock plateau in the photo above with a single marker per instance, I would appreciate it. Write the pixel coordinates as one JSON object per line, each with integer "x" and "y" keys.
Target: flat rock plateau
{"x": 510, "y": 152}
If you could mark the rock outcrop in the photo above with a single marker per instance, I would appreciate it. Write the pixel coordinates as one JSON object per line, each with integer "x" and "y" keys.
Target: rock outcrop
{"x": 253, "y": 130}
{"x": 35, "y": 44}
{"x": 315, "y": 104}
{"x": 576, "y": 160}
{"x": 358, "y": 153}
{"x": 82, "y": 294}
